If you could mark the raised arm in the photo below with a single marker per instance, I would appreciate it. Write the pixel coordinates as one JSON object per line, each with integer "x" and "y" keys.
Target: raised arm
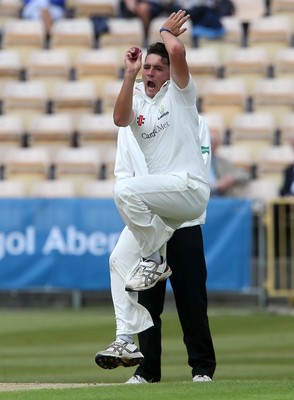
{"x": 123, "y": 112}
{"x": 170, "y": 31}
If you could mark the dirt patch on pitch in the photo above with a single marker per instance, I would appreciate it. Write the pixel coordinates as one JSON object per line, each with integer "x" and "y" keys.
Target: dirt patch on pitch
{"x": 12, "y": 387}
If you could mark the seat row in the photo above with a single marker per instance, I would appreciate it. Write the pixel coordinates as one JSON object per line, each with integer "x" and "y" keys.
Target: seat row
{"x": 254, "y": 129}
{"x": 105, "y": 62}
{"x": 77, "y": 34}
{"x": 252, "y": 143}
{"x": 92, "y": 128}
{"x": 228, "y": 96}
{"x": 95, "y": 188}
{"x": 57, "y": 131}
{"x": 78, "y": 164}
{"x": 261, "y": 189}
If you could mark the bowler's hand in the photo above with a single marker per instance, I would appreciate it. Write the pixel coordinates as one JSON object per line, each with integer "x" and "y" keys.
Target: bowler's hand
{"x": 132, "y": 65}
{"x": 175, "y": 22}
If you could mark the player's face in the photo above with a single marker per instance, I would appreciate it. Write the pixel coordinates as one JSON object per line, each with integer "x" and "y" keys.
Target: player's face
{"x": 155, "y": 73}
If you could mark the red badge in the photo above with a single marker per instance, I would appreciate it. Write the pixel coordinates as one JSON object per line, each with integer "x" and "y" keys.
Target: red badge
{"x": 140, "y": 120}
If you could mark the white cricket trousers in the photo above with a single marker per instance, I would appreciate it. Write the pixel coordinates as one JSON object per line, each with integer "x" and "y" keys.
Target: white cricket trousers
{"x": 154, "y": 206}
{"x": 131, "y": 317}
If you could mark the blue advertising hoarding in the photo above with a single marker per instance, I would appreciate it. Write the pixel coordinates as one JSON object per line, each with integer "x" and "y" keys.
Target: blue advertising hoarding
{"x": 66, "y": 243}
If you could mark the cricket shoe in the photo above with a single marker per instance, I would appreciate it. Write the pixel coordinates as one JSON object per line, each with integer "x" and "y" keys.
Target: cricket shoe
{"x": 136, "y": 379}
{"x": 201, "y": 378}
{"x": 147, "y": 274}
{"x": 119, "y": 353}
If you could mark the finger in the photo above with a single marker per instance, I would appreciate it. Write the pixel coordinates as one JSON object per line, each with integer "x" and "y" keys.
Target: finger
{"x": 184, "y": 19}
{"x": 180, "y": 14}
{"x": 182, "y": 30}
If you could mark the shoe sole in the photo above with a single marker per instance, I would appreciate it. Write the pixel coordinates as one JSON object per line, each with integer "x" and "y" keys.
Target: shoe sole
{"x": 163, "y": 277}
{"x": 108, "y": 362}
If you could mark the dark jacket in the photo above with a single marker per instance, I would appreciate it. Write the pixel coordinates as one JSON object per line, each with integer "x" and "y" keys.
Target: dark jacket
{"x": 287, "y": 181}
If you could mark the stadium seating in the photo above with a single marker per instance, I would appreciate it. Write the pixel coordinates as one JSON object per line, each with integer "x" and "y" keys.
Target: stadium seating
{"x": 287, "y": 128}
{"x": 73, "y": 36}
{"x": 77, "y": 164}
{"x": 237, "y": 154}
{"x": 227, "y": 97}
{"x": 98, "y": 66}
{"x": 123, "y": 34}
{"x": 11, "y": 133}
{"x": 12, "y": 189}
{"x": 25, "y": 99}
{"x": 248, "y": 64}
{"x": 109, "y": 95}
{"x": 23, "y": 36}
{"x": 203, "y": 65}
{"x": 232, "y": 39}
{"x": 283, "y": 8}
{"x": 283, "y": 63}
{"x": 88, "y": 8}
{"x": 216, "y": 125}
{"x": 255, "y": 130}
{"x": 27, "y": 165}
{"x": 275, "y": 96}
{"x": 9, "y": 10}
{"x": 97, "y": 130}
{"x": 10, "y": 67}
{"x": 52, "y": 131}
{"x": 53, "y": 189}
{"x": 271, "y": 33}
{"x": 59, "y": 91}
{"x": 273, "y": 160}
{"x": 108, "y": 161}
{"x": 74, "y": 97}
{"x": 49, "y": 67}
{"x": 102, "y": 188}
{"x": 249, "y": 10}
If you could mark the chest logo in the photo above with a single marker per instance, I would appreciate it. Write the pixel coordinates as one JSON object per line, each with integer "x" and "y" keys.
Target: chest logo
{"x": 162, "y": 112}
{"x": 140, "y": 120}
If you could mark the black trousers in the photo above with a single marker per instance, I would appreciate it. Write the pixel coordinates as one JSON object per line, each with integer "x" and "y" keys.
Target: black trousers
{"x": 185, "y": 256}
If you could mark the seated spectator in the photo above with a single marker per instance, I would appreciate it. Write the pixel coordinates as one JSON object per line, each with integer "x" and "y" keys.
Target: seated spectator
{"x": 287, "y": 188}
{"x": 205, "y": 17}
{"x": 225, "y": 178}
{"x": 224, "y": 7}
{"x": 146, "y": 10}
{"x": 47, "y": 10}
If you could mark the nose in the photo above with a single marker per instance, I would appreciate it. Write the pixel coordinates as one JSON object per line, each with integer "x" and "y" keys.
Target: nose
{"x": 151, "y": 72}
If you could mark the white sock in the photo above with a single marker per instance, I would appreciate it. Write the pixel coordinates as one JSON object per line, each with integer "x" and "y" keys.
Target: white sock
{"x": 126, "y": 338}
{"x": 156, "y": 257}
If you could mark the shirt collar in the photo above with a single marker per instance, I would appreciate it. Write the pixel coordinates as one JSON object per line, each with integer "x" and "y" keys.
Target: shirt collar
{"x": 140, "y": 90}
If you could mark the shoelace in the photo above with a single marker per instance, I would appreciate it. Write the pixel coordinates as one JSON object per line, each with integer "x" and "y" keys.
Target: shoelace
{"x": 119, "y": 347}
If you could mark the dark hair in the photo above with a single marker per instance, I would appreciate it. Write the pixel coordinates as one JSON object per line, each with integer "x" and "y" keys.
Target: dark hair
{"x": 159, "y": 49}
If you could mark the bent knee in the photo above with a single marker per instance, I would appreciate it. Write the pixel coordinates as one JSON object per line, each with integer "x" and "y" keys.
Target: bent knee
{"x": 121, "y": 192}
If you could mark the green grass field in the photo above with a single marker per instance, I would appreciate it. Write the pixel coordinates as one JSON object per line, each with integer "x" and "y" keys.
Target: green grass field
{"x": 255, "y": 354}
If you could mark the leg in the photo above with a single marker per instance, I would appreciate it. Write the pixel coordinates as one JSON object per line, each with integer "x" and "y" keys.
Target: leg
{"x": 130, "y": 316}
{"x": 185, "y": 255}
{"x": 153, "y": 206}
{"x": 150, "y": 340}
{"x": 47, "y": 19}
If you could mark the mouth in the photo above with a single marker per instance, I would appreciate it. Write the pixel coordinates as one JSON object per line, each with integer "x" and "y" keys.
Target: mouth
{"x": 151, "y": 85}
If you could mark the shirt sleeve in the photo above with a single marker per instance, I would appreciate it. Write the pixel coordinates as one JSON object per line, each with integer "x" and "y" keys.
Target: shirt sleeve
{"x": 123, "y": 164}
{"x": 185, "y": 97}
{"x": 204, "y": 136}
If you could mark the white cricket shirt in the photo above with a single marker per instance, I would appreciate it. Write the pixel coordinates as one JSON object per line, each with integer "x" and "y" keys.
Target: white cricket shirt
{"x": 166, "y": 128}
